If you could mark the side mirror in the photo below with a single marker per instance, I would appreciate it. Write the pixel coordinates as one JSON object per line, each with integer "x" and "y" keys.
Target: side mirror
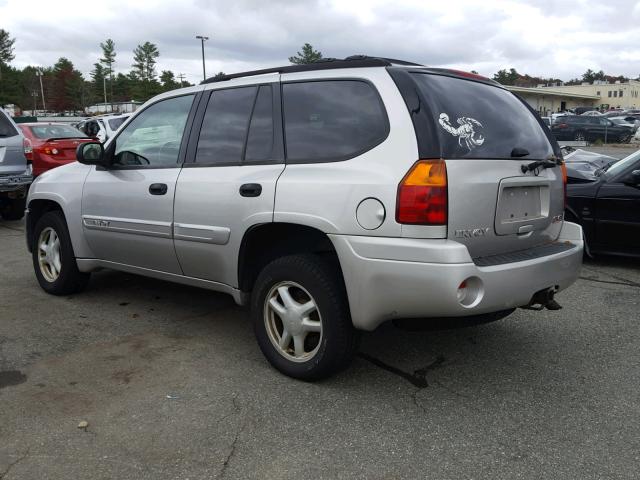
{"x": 633, "y": 179}
{"x": 91, "y": 153}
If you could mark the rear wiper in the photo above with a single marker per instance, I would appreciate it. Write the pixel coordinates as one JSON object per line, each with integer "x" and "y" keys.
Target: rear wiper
{"x": 537, "y": 165}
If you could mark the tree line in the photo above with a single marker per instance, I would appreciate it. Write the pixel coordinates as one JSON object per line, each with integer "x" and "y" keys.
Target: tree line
{"x": 66, "y": 89}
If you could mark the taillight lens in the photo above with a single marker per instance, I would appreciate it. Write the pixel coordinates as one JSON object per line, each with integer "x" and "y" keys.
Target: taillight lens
{"x": 28, "y": 149}
{"x": 50, "y": 150}
{"x": 422, "y": 194}
{"x": 563, "y": 167}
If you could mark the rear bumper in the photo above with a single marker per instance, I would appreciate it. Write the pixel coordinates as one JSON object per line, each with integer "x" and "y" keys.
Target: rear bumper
{"x": 388, "y": 278}
{"x": 10, "y": 183}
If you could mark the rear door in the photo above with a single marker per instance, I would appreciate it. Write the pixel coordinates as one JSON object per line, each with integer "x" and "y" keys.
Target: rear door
{"x": 618, "y": 211}
{"x": 486, "y": 135}
{"x": 228, "y": 184}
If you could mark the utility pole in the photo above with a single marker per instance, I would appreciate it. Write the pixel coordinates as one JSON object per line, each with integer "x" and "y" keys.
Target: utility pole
{"x": 202, "y": 40}
{"x": 181, "y": 77}
{"x": 40, "y": 74}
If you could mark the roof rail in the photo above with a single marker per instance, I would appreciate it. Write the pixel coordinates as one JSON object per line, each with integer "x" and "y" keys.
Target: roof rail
{"x": 354, "y": 61}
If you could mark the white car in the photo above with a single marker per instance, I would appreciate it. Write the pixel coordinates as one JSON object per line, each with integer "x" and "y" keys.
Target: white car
{"x": 103, "y": 128}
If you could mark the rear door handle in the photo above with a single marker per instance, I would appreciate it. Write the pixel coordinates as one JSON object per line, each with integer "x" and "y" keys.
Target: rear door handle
{"x": 251, "y": 190}
{"x": 158, "y": 188}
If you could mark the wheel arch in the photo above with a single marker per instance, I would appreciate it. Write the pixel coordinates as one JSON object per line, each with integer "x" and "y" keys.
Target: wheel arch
{"x": 36, "y": 208}
{"x": 263, "y": 243}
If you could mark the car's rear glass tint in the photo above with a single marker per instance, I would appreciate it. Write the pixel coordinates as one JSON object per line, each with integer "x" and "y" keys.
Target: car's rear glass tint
{"x": 476, "y": 120}
{"x": 6, "y": 128}
{"x": 56, "y": 131}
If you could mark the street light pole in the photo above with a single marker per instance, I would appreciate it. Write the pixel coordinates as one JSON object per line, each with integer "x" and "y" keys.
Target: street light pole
{"x": 202, "y": 40}
{"x": 104, "y": 87}
{"x": 39, "y": 73}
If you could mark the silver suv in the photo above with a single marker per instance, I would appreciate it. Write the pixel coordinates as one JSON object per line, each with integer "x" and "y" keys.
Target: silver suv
{"x": 15, "y": 171}
{"x": 329, "y": 197}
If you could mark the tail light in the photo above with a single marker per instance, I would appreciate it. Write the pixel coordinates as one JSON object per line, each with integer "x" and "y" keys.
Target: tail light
{"x": 562, "y": 125}
{"x": 28, "y": 149}
{"x": 422, "y": 194}
{"x": 563, "y": 167}
{"x": 50, "y": 150}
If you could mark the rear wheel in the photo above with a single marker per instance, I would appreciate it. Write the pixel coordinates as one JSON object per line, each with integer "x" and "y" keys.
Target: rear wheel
{"x": 53, "y": 259}
{"x": 579, "y": 136}
{"x": 301, "y": 317}
{"x": 13, "y": 209}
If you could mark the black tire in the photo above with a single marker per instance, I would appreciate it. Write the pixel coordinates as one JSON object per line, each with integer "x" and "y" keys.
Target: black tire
{"x": 322, "y": 280}
{"x": 70, "y": 279}
{"x": 13, "y": 209}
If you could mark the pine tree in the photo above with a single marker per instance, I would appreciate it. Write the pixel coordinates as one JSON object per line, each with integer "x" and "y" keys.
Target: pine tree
{"x": 308, "y": 55}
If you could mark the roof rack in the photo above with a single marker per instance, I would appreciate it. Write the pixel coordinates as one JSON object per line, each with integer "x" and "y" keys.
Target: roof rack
{"x": 354, "y": 61}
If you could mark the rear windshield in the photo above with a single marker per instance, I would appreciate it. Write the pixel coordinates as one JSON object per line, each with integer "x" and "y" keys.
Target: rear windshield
{"x": 56, "y": 131}
{"x": 115, "y": 123}
{"x": 476, "y": 120}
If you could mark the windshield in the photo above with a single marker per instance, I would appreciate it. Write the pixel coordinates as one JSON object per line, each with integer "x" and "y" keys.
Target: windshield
{"x": 56, "y": 131}
{"x": 624, "y": 163}
{"x": 476, "y": 120}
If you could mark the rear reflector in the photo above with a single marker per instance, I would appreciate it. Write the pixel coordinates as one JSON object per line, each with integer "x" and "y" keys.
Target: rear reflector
{"x": 28, "y": 149}
{"x": 422, "y": 194}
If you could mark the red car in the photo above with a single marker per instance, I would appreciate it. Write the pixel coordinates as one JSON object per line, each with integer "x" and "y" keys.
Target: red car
{"x": 50, "y": 145}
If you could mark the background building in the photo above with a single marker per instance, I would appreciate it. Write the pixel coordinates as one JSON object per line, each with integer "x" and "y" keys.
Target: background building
{"x": 114, "y": 107}
{"x": 548, "y": 100}
{"x": 609, "y": 95}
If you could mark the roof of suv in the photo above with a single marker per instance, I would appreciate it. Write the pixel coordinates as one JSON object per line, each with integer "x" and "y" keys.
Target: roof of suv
{"x": 354, "y": 61}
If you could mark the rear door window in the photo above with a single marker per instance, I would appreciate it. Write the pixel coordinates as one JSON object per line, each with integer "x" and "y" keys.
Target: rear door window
{"x": 331, "y": 120}
{"x": 476, "y": 120}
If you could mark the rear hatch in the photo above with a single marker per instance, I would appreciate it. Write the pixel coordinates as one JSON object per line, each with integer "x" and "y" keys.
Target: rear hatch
{"x": 486, "y": 135}
{"x": 57, "y": 141}
{"x": 12, "y": 159}
{"x": 65, "y": 148}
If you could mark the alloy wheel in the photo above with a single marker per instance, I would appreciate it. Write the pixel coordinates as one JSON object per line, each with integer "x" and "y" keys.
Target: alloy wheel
{"x": 49, "y": 254}
{"x": 293, "y": 322}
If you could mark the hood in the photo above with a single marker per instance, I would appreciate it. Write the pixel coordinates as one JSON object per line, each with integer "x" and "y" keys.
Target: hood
{"x": 582, "y": 165}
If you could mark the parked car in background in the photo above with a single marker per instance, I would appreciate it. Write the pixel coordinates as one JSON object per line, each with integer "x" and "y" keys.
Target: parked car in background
{"x": 369, "y": 209}
{"x": 581, "y": 110}
{"x": 591, "y": 113}
{"x": 607, "y": 205}
{"x": 103, "y": 127}
{"x": 50, "y": 145}
{"x": 15, "y": 171}
{"x": 632, "y": 126}
{"x": 582, "y": 165}
{"x": 590, "y": 128}
{"x": 546, "y": 121}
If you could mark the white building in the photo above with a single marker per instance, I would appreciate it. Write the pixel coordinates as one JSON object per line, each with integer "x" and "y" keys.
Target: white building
{"x": 114, "y": 107}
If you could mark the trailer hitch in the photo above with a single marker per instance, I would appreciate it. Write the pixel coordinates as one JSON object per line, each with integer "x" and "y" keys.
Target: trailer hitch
{"x": 543, "y": 299}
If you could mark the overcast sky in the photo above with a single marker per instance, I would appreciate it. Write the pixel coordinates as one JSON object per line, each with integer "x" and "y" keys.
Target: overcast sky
{"x": 559, "y": 38}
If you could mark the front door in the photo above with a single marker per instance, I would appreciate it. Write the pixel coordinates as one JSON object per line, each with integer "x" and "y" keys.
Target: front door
{"x": 618, "y": 215}
{"x": 127, "y": 210}
{"x": 228, "y": 183}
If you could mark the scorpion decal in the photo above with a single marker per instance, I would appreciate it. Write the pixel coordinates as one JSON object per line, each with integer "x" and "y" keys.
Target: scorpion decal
{"x": 465, "y": 132}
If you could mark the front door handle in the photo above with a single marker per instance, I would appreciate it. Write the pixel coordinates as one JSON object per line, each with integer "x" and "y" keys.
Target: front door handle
{"x": 251, "y": 190}
{"x": 158, "y": 188}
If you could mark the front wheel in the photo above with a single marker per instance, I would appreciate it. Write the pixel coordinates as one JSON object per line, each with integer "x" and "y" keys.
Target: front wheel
{"x": 301, "y": 317}
{"x": 579, "y": 136}
{"x": 53, "y": 259}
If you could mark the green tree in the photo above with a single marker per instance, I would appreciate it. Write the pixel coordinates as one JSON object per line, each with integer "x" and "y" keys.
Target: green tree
{"x": 507, "y": 77}
{"x": 144, "y": 58}
{"x": 307, "y": 55}
{"x": 107, "y": 61}
{"x": 144, "y": 71}
{"x": 98, "y": 75}
{"x": 168, "y": 81}
{"x": 6, "y": 55}
{"x": 67, "y": 87}
{"x": 219, "y": 75}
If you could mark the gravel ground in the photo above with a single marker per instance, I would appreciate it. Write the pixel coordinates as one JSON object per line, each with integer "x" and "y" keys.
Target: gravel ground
{"x": 173, "y": 385}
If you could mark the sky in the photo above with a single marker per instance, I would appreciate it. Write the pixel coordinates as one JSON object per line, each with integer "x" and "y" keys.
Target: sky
{"x": 549, "y": 38}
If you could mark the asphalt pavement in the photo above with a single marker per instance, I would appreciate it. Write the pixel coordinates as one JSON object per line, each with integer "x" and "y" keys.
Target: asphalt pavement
{"x": 172, "y": 385}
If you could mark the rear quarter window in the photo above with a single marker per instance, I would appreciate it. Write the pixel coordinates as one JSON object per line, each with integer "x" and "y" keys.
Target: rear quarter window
{"x": 6, "y": 127}
{"x": 332, "y": 120}
{"x": 476, "y": 120}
